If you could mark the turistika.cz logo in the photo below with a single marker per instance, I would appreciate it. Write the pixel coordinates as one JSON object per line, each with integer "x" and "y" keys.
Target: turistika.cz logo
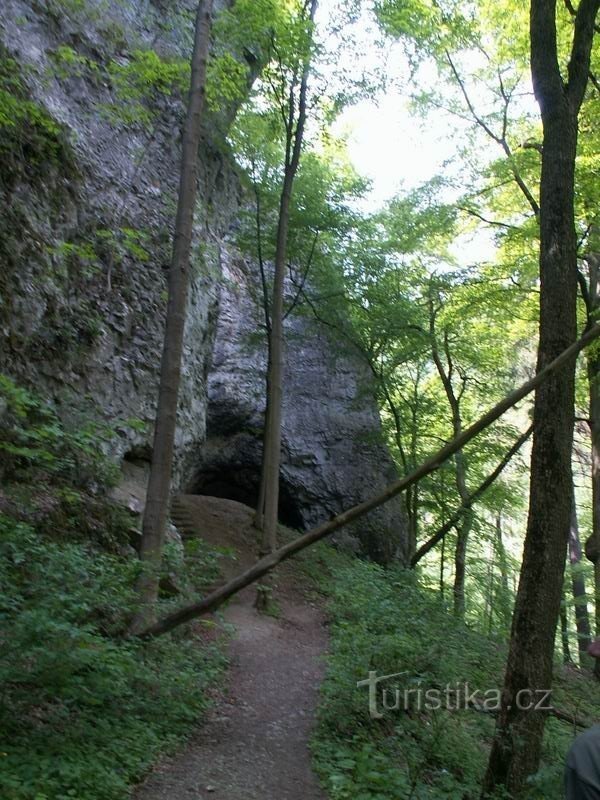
{"x": 416, "y": 696}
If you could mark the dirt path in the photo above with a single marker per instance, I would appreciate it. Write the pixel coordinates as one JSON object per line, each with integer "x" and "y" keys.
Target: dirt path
{"x": 254, "y": 745}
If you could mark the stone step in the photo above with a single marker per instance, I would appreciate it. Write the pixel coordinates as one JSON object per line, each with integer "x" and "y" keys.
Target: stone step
{"x": 183, "y": 518}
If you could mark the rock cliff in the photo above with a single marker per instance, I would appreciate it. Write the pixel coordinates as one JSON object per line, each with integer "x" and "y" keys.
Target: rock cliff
{"x": 85, "y": 228}
{"x": 333, "y": 454}
{"x": 88, "y": 178}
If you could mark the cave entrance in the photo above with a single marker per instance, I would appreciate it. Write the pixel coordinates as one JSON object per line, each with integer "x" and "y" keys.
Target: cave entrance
{"x": 242, "y": 484}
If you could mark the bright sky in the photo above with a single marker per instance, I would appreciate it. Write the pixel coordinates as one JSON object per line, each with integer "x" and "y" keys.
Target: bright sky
{"x": 391, "y": 147}
{"x": 388, "y": 144}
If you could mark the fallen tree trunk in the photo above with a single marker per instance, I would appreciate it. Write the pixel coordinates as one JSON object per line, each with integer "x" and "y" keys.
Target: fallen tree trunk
{"x": 215, "y": 599}
{"x": 470, "y": 500}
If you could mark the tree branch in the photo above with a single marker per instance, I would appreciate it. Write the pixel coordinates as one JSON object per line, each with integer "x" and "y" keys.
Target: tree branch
{"x": 500, "y": 140}
{"x": 471, "y": 500}
{"x": 579, "y": 63}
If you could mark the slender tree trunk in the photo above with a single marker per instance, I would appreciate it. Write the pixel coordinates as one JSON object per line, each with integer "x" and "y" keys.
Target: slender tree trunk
{"x": 442, "y": 565}
{"x": 564, "y": 633}
{"x": 269, "y": 492}
{"x": 504, "y": 602}
{"x": 582, "y": 618}
{"x": 592, "y": 546}
{"x": 489, "y": 601}
{"x": 159, "y": 483}
{"x": 463, "y": 528}
{"x": 516, "y": 748}
{"x": 440, "y": 534}
{"x": 411, "y": 499}
{"x": 462, "y": 533}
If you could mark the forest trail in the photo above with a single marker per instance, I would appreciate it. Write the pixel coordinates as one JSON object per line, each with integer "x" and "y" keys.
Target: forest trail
{"x": 253, "y": 745}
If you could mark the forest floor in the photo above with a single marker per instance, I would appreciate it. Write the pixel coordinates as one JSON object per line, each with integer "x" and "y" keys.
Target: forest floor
{"x": 254, "y": 745}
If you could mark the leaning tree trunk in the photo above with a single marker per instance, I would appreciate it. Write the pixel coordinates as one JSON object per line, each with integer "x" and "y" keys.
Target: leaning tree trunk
{"x": 270, "y": 562}
{"x": 516, "y": 748}
{"x": 159, "y": 483}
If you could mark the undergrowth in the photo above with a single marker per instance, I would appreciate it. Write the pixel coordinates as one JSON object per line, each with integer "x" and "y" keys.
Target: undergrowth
{"x": 83, "y": 711}
{"x": 384, "y": 621}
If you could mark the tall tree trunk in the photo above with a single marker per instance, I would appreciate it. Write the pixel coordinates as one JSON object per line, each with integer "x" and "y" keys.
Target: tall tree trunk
{"x": 442, "y": 565}
{"x": 462, "y": 534}
{"x": 489, "y": 599}
{"x": 516, "y": 748}
{"x": 463, "y": 528}
{"x": 411, "y": 498}
{"x": 272, "y": 439}
{"x": 592, "y": 546}
{"x": 159, "y": 482}
{"x": 582, "y": 618}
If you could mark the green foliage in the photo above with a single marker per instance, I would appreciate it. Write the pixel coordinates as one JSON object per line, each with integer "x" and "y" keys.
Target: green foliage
{"x": 83, "y": 711}
{"x": 83, "y": 714}
{"x": 124, "y": 243}
{"x": 35, "y": 439}
{"x": 141, "y": 82}
{"x": 243, "y": 37}
{"x": 80, "y": 10}
{"x": 86, "y": 258}
{"x": 226, "y": 81}
{"x": 30, "y": 138}
{"x": 55, "y": 475}
{"x": 69, "y": 63}
{"x": 427, "y": 27}
{"x": 385, "y": 621}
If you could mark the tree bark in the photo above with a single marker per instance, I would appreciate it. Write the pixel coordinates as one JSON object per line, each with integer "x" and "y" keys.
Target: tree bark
{"x": 269, "y": 562}
{"x": 564, "y": 633}
{"x": 504, "y": 603}
{"x": 516, "y": 748}
{"x": 159, "y": 482}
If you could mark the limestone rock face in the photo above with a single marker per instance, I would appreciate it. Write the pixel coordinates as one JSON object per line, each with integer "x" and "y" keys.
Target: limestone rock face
{"x": 85, "y": 238}
{"x": 84, "y": 249}
{"x": 333, "y": 454}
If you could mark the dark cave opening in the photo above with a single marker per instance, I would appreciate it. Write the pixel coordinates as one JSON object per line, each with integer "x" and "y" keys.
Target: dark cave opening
{"x": 242, "y": 483}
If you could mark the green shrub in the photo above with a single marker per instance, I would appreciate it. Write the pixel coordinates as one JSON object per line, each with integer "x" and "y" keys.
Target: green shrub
{"x": 83, "y": 714}
{"x": 30, "y": 138}
{"x": 83, "y": 711}
{"x": 141, "y": 83}
{"x": 34, "y": 440}
{"x": 383, "y": 620}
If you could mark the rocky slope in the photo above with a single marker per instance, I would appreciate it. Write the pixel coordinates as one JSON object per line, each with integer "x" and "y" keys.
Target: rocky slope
{"x": 90, "y": 113}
